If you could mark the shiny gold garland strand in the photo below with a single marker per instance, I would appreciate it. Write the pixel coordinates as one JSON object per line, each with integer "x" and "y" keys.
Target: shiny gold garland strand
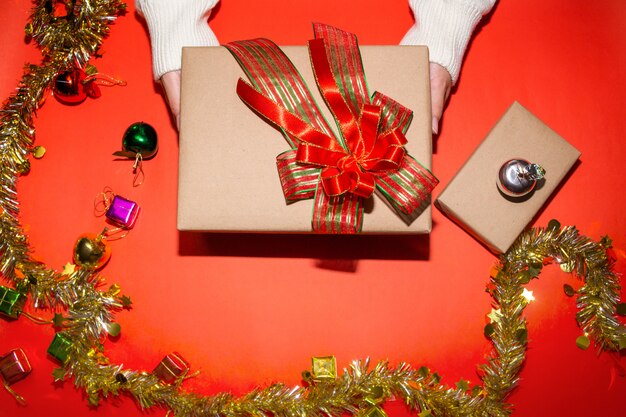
{"x": 72, "y": 40}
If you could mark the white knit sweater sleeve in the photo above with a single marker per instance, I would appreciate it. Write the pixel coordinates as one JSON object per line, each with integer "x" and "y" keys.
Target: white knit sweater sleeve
{"x": 174, "y": 24}
{"x": 446, "y": 26}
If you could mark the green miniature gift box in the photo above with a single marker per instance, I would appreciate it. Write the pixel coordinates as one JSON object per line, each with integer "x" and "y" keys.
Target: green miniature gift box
{"x": 11, "y": 302}
{"x": 59, "y": 348}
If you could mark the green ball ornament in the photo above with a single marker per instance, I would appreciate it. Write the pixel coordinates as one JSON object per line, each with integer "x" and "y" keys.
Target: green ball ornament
{"x": 139, "y": 139}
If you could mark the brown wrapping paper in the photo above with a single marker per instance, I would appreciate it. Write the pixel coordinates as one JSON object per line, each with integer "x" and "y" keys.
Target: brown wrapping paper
{"x": 228, "y": 181}
{"x": 472, "y": 198}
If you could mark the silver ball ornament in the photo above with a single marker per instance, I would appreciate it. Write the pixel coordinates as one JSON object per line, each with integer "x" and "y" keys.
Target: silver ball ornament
{"x": 518, "y": 177}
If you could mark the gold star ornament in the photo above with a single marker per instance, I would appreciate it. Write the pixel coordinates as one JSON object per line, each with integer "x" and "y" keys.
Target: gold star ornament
{"x": 68, "y": 269}
{"x": 495, "y": 315}
{"x": 528, "y": 295}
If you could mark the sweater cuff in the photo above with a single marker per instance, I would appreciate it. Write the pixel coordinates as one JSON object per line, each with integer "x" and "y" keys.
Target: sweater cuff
{"x": 173, "y": 24}
{"x": 445, "y": 26}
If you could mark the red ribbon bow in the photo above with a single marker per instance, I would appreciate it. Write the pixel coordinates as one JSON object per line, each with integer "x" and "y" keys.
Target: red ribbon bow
{"x": 367, "y": 150}
{"x": 369, "y": 155}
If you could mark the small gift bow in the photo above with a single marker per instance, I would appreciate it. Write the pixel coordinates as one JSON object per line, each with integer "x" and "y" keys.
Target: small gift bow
{"x": 370, "y": 154}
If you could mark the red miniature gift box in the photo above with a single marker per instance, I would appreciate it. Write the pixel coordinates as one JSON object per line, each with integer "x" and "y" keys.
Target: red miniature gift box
{"x": 171, "y": 368}
{"x": 14, "y": 366}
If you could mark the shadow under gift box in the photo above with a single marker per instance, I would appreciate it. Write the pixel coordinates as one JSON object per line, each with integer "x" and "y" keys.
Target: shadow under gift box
{"x": 472, "y": 198}
{"x": 228, "y": 181}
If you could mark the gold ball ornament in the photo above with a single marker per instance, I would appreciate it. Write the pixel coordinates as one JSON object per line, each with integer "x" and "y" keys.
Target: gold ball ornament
{"x": 28, "y": 30}
{"x": 91, "y": 251}
{"x": 38, "y": 152}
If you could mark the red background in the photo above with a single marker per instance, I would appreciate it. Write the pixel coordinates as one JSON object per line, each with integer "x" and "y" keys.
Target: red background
{"x": 251, "y": 310}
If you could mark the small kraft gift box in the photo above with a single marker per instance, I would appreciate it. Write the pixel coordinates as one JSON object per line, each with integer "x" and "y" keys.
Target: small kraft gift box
{"x": 228, "y": 176}
{"x": 507, "y": 179}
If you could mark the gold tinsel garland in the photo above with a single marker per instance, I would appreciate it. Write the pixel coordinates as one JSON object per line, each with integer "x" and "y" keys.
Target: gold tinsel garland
{"x": 69, "y": 41}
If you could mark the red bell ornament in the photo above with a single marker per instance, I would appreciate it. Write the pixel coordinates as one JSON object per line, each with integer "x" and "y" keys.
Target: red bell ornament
{"x": 69, "y": 86}
{"x": 73, "y": 86}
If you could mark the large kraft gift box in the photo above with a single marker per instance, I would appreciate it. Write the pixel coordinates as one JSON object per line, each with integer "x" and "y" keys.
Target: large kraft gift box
{"x": 228, "y": 180}
{"x": 472, "y": 198}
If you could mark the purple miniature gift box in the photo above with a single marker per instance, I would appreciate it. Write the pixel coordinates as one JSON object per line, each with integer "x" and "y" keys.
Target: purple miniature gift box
{"x": 122, "y": 212}
{"x": 14, "y": 366}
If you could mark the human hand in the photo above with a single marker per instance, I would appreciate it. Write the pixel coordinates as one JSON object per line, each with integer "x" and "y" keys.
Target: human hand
{"x": 440, "y": 86}
{"x": 171, "y": 85}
